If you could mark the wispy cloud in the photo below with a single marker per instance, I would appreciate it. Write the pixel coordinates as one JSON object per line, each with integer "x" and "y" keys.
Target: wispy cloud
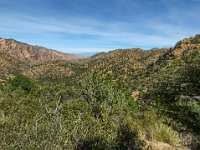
{"x": 86, "y": 33}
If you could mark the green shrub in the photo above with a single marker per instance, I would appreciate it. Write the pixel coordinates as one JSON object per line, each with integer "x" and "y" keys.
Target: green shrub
{"x": 163, "y": 133}
{"x": 100, "y": 92}
{"x": 196, "y": 39}
{"x": 23, "y": 82}
{"x": 151, "y": 127}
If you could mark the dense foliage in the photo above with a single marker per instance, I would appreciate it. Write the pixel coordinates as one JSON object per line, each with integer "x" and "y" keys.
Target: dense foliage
{"x": 51, "y": 118}
{"x": 22, "y": 82}
{"x": 106, "y": 103}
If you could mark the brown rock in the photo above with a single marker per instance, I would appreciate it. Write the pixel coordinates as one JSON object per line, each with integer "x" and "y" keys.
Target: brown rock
{"x": 135, "y": 95}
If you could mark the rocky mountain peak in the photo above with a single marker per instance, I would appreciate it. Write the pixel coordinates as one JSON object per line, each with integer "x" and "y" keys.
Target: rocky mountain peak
{"x": 186, "y": 45}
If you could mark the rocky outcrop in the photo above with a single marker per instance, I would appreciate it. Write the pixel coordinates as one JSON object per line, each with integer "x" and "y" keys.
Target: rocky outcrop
{"x": 185, "y": 46}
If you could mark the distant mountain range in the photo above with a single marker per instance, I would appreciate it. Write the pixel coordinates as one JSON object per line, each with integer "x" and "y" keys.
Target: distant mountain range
{"x": 86, "y": 54}
{"x": 15, "y": 55}
{"x": 39, "y": 62}
{"x": 25, "y": 52}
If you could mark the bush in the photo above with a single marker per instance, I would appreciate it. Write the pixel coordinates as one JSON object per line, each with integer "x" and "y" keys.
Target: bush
{"x": 166, "y": 134}
{"x": 22, "y": 82}
{"x": 101, "y": 93}
{"x": 151, "y": 127}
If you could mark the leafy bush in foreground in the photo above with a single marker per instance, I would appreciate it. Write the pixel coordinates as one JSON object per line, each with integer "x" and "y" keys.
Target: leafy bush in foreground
{"x": 50, "y": 120}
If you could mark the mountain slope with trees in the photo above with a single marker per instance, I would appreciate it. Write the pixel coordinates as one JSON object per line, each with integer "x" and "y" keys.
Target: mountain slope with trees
{"x": 16, "y": 56}
{"x": 123, "y": 99}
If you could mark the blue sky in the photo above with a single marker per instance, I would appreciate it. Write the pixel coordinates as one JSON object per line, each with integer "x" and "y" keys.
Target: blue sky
{"x": 77, "y": 26}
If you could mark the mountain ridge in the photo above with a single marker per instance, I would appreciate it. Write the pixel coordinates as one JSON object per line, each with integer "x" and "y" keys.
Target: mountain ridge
{"x": 17, "y": 57}
{"x": 14, "y": 44}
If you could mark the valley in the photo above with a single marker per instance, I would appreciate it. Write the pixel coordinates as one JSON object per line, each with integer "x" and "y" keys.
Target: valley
{"x": 121, "y": 99}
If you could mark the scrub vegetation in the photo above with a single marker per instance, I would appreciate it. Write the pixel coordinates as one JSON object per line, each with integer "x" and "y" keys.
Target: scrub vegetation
{"x": 121, "y": 100}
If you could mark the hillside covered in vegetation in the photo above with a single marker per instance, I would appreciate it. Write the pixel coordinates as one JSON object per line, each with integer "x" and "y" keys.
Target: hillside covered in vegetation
{"x": 16, "y": 56}
{"x": 124, "y": 99}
